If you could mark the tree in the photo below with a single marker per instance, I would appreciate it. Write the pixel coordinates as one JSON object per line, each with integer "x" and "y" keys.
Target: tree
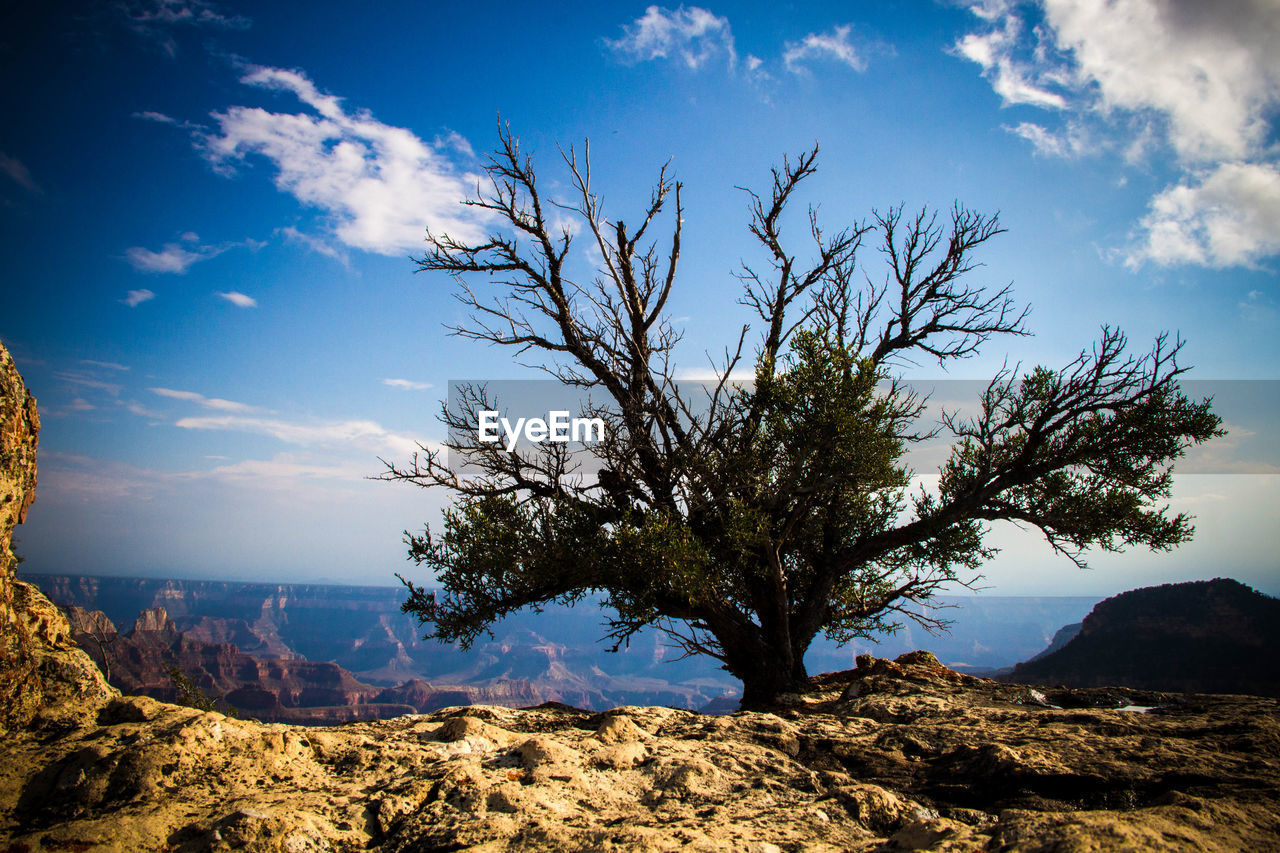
{"x": 744, "y": 518}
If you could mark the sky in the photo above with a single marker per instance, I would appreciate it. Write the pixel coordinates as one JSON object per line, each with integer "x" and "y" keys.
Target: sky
{"x": 207, "y": 214}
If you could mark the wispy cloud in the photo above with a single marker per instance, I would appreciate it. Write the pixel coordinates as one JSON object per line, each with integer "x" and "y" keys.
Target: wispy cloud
{"x": 351, "y": 433}
{"x": 173, "y": 258}
{"x": 134, "y": 298}
{"x": 692, "y": 36}
{"x": 832, "y": 46}
{"x": 1228, "y": 216}
{"x": 177, "y": 258}
{"x": 14, "y": 170}
{"x": 1257, "y": 307}
{"x": 407, "y": 384}
{"x": 83, "y": 380}
{"x": 136, "y": 408}
{"x": 380, "y": 186}
{"x": 285, "y": 471}
{"x": 315, "y": 244}
{"x": 999, "y": 48}
{"x": 215, "y": 403}
{"x": 238, "y": 299}
{"x": 170, "y": 13}
{"x": 1199, "y": 82}
{"x": 81, "y": 478}
{"x": 156, "y": 19}
{"x": 158, "y": 118}
{"x": 86, "y": 387}
{"x": 1072, "y": 142}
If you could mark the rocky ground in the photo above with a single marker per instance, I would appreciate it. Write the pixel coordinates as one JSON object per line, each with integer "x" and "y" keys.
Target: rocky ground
{"x": 891, "y": 756}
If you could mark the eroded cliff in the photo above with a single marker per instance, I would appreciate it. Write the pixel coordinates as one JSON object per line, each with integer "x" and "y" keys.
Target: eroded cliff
{"x": 41, "y": 669}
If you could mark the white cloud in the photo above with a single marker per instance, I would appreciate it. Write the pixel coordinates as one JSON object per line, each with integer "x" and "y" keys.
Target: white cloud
{"x": 105, "y": 365}
{"x": 1197, "y": 81}
{"x": 158, "y": 118}
{"x": 80, "y": 380}
{"x": 1229, "y": 217}
{"x": 315, "y": 244}
{"x": 833, "y": 46}
{"x": 1014, "y": 79}
{"x": 216, "y": 403}
{"x": 14, "y": 169}
{"x": 353, "y": 433}
{"x": 691, "y": 35}
{"x": 381, "y": 186}
{"x": 407, "y": 384}
{"x": 1257, "y": 307}
{"x": 238, "y": 299}
{"x": 171, "y": 259}
{"x": 179, "y": 12}
{"x": 156, "y": 19}
{"x": 134, "y": 298}
{"x": 134, "y": 407}
{"x": 177, "y": 258}
{"x": 1212, "y": 70}
{"x": 1074, "y": 141}
{"x": 456, "y": 141}
{"x": 285, "y": 472}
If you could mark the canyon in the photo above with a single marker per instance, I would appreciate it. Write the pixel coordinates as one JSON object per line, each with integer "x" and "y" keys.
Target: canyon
{"x": 364, "y": 653}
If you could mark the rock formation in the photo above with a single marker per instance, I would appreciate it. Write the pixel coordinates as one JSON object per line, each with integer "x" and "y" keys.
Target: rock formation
{"x": 899, "y": 755}
{"x": 290, "y": 690}
{"x": 1215, "y": 636}
{"x": 42, "y": 671}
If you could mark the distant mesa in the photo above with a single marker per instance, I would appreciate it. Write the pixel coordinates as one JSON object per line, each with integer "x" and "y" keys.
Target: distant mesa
{"x": 1217, "y": 636}
{"x": 557, "y": 654}
{"x": 319, "y": 655}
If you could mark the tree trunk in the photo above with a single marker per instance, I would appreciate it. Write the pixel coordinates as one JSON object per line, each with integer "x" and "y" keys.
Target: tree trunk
{"x": 766, "y": 674}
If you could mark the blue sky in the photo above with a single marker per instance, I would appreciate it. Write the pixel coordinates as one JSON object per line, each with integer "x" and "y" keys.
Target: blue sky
{"x": 208, "y": 211}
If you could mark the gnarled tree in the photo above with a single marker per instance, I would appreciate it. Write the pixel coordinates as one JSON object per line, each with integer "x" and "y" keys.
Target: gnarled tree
{"x": 745, "y": 518}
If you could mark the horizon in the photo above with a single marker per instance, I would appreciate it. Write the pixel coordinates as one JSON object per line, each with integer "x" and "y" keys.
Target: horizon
{"x": 209, "y": 209}
{"x": 948, "y": 596}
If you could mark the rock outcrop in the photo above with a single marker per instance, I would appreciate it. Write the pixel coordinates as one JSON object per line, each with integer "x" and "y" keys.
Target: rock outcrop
{"x": 896, "y": 755}
{"x": 292, "y": 690}
{"x": 1215, "y": 636}
{"x": 42, "y": 671}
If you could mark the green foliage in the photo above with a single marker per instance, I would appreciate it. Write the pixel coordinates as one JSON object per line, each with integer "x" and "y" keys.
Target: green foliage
{"x": 192, "y": 696}
{"x": 745, "y": 519}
